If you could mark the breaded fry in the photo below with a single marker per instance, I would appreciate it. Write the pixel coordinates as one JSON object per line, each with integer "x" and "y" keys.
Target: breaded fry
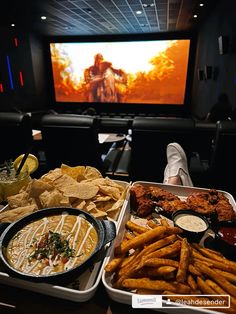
{"x": 228, "y": 276}
{"x": 130, "y": 258}
{"x": 191, "y": 282}
{"x": 219, "y": 290}
{"x": 164, "y": 272}
{"x": 205, "y": 289}
{"x": 159, "y": 244}
{"x": 227, "y": 265}
{"x": 164, "y": 222}
{"x": 224, "y": 283}
{"x": 157, "y": 262}
{"x": 184, "y": 261}
{"x": 194, "y": 259}
{"x": 173, "y": 230}
{"x": 152, "y": 224}
{"x": 128, "y": 235}
{"x": 114, "y": 264}
{"x": 193, "y": 270}
{"x": 146, "y": 283}
{"x": 134, "y": 227}
{"x": 211, "y": 254}
{"x": 137, "y": 263}
{"x": 140, "y": 240}
{"x": 166, "y": 251}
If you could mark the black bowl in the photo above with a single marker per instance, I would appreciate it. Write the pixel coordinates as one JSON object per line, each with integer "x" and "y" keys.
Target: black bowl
{"x": 105, "y": 229}
{"x": 225, "y": 244}
{"x": 191, "y": 231}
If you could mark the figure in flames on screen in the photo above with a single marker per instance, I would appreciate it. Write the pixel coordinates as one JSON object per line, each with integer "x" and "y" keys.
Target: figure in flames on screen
{"x": 104, "y": 83}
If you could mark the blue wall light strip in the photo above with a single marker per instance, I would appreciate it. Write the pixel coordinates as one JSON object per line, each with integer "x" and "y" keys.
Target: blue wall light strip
{"x": 10, "y": 73}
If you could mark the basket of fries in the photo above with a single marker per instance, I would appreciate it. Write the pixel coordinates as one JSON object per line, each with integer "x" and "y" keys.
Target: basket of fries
{"x": 151, "y": 256}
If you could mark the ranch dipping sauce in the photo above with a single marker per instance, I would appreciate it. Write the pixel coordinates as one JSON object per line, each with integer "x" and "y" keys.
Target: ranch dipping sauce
{"x": 191, "y": 223}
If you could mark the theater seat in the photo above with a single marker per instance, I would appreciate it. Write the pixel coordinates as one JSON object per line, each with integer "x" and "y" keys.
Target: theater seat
{"x": 204, "y": 135}
{"x": 16, "y": 134}
{"x": 222, "y": 167}
{"x": 150, "y": 136}
{"x": 114, "y": 125}
{"x": 71, "y": 139}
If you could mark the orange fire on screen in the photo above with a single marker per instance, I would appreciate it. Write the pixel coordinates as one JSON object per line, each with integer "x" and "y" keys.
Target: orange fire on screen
{"x": 163, "y": 81}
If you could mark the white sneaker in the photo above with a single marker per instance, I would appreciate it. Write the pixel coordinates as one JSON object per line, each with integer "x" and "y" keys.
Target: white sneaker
{"x": 177, "y": 164}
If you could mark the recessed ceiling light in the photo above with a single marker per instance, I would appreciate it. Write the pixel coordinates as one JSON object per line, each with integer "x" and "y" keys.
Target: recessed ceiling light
{"x": 13, "y": 25}
{"x": 195, "y": 16}
{"x": 146, "y": 5}
{"x": 43, "y": 17}
{"x": 139, "y": 12}
{"x": 201, "y": 4}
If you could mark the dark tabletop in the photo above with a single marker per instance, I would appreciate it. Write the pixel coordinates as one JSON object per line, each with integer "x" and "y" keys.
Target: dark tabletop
{"x": 16, "y": 300}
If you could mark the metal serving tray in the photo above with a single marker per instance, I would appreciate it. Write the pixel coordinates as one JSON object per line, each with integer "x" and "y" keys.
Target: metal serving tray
{"x": 126, "y": 297}
{"x": 82, "y": 288}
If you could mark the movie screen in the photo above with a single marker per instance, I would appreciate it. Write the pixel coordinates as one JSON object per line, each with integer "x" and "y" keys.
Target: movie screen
{"x": 139, "y": 72}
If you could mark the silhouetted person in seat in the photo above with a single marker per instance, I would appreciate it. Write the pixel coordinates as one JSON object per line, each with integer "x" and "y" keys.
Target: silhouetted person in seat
{"x": 222, "y": 110}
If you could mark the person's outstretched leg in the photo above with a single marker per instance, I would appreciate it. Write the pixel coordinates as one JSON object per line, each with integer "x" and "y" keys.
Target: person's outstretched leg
{"x": 176, "y": 171}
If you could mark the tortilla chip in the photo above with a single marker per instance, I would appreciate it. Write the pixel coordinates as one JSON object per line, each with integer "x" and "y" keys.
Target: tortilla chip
{"x": 79, "y": 204}
{"x": 52, "y": 199}
{"x": 90, "y": 207}
{"x": 73, "y": 172}
{"x": 100, "y": 214}
{"x": 104, "y": 206}
{"x": 18, "y": 200}
{"x": 39, "y": 186}
{"x": 79, "y": 187}
{"x": 92, "y": 173}
{"x": 64, "y": 182}
{"x": 81, "y": 190}
{"x": 12, "y": 215}
{"x": 101, "y": 198}
{"x": 113, "y": 192}
{"x": 52, "y": 175}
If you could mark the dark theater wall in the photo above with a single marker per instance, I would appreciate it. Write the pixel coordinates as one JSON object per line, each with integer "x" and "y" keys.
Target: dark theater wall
{"x": 222, "y": 22}
{"x": 21, "y": 72}
{"x": 24, "y": 77}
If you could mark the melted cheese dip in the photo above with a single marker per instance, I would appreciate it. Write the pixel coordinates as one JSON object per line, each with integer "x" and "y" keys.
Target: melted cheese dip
{"x": 30, "y": 252}
{"x": 191, "y": 223}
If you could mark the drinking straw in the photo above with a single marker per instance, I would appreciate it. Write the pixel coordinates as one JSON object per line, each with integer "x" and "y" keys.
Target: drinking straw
{"x": 22, "y": 163}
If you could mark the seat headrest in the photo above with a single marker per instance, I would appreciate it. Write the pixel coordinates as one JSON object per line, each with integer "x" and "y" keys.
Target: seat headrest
{"x": 14, "y": 118}
{"x": 67, "y": 120}
{"x": 163, "y": 123}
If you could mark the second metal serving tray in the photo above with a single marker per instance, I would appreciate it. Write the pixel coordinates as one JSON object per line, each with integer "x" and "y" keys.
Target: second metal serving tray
{"x": 125, "y": 297}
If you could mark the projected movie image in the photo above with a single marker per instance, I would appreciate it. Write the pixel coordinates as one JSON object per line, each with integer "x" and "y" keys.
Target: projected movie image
{"x": 139, "y": 72}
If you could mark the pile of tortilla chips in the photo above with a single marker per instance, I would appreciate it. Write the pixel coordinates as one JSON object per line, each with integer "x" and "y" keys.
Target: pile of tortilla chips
{"x": 78, "y": 187}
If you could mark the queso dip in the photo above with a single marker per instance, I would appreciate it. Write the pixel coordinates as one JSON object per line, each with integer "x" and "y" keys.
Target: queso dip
{"x": 52, "y": 244}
